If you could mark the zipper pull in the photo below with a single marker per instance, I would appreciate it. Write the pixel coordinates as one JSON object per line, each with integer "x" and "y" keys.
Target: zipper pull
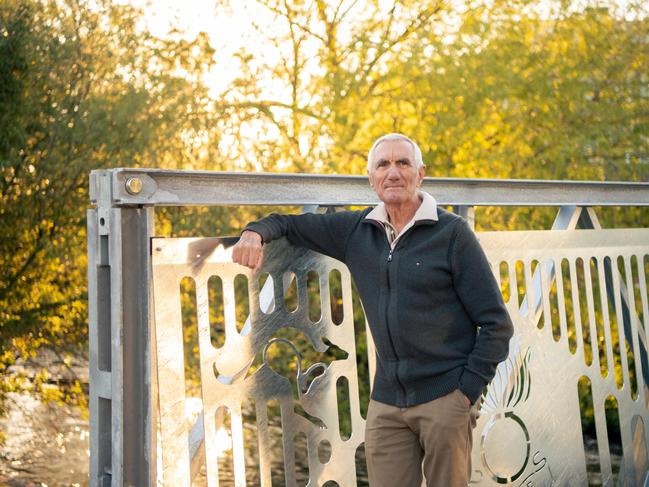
{"x": 390, "y": 255}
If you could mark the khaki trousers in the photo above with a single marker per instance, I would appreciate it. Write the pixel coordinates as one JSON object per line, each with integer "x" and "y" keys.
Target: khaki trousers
{"x": 437, "y": 435}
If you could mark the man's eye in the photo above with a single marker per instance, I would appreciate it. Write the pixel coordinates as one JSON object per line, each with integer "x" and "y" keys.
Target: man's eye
{"x": 381, "y": 163}
{"x": 403, "y": 162}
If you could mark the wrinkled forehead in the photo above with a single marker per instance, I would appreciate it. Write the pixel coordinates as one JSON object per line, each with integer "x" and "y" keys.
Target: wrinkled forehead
{"x": 392, "y": 150}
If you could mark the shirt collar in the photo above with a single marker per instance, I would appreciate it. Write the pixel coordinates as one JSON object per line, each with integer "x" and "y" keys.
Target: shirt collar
{"x": 426, "y": 211}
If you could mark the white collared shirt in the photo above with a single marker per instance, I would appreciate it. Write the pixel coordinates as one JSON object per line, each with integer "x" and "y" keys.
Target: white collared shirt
{"x": 427, "y": 211}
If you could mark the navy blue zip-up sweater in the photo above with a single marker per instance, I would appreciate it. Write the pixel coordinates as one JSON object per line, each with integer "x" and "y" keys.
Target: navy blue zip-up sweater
{"x": 425, "y": 301}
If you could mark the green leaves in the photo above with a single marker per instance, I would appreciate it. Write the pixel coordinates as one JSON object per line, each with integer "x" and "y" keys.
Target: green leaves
{"x": 505, "y": 89}
{"x": 81, "y": 88}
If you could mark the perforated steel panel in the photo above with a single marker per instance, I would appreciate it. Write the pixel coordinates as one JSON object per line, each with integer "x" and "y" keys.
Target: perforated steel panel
{"x": 529, "y": 432}
{"x": 573, "y": 295}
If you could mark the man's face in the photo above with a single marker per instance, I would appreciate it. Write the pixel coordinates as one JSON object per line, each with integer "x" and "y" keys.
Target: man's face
{"x": 394, "y": 173}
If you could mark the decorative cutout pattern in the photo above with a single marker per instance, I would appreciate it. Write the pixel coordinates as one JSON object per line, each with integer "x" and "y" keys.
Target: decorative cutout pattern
{"x": 529, "y": 429}
{"x": 310, "y": 410}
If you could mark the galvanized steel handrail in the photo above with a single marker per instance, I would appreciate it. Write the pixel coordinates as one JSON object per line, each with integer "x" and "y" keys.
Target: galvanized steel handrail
{"x": 157, "y": 187}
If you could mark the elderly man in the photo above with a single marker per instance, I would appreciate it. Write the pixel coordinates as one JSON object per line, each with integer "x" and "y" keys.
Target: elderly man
{"x": 427, "y": 289}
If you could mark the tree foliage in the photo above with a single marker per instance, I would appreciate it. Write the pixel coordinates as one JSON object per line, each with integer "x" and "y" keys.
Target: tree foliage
{"x": 490, "y": 89}
{"x": 81, "y": 88}
{"x": 499, "y": 88}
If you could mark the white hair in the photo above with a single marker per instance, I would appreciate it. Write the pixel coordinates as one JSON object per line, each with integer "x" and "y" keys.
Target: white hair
{"x": 394, "y": 136}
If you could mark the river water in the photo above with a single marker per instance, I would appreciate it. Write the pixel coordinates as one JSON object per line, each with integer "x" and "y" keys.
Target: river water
{"x": 46, "y": 445}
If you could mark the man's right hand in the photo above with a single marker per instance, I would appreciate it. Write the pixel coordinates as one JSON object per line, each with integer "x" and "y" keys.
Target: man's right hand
{"x": 248, "y": 250}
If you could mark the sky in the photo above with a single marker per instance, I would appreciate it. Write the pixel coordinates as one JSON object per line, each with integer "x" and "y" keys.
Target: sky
{"x": 229, "y": 29}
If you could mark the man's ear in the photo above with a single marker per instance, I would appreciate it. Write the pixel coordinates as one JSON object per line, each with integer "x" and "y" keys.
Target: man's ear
{"x": 422, "y": 173}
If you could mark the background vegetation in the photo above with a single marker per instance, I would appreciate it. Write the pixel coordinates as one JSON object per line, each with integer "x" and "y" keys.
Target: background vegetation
{"x": 489, "y": 88}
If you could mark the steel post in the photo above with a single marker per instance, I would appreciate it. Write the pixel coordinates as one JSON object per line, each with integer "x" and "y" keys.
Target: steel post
{"x": 122, "y": 387}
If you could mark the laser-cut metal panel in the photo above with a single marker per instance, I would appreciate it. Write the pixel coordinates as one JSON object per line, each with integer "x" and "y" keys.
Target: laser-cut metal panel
{"x": 529, "y": 431}
{"x": 225, "y": 386}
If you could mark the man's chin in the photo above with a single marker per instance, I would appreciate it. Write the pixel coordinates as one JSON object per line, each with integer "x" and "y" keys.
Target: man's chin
{"x": 394, "y": 199}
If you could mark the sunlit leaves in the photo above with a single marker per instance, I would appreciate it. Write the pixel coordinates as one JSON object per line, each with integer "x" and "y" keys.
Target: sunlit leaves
{"x": 489, "y": 89}
{"x": 504, "y": 88}
{"x": 82, "y": 87}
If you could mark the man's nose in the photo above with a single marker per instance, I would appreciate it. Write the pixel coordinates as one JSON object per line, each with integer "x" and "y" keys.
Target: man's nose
{"x": 393, "y": 172}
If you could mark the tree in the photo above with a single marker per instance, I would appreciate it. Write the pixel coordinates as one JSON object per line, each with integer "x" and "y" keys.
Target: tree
{"x": 81, "y": 88}
{"x": 503, "y": 88}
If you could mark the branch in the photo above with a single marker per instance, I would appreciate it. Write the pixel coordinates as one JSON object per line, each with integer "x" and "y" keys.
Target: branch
{"x": 303, "y": 28}
{"x": 344, "y": 14}
{"x": 414, "y": 26}
{"x": 266, "y": 105}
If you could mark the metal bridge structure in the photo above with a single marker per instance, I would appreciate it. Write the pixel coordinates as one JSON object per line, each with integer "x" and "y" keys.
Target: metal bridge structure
{"x": 577, "y": 294}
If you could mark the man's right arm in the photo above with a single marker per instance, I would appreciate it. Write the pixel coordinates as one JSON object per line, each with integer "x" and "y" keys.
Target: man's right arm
{"x": 324, "y": 233}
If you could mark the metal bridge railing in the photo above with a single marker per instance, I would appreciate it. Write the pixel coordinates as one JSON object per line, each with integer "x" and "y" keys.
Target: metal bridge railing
{"x": 578, "y": 299}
